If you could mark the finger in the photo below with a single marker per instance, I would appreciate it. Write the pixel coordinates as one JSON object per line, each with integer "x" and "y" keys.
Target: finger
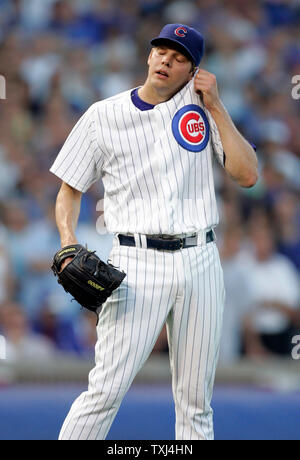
{"x": 206, "y": 79}
{"x": 203, "y": 72}
{"x": 203, "y": 87}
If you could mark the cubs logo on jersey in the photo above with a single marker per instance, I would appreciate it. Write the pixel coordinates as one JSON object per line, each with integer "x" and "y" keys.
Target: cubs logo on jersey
{"x": 190, "y": 128}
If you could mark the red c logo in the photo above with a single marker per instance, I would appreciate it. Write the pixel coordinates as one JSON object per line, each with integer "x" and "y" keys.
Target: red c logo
{"x": 180, "y": 32}
{"x": 192, "y": 127}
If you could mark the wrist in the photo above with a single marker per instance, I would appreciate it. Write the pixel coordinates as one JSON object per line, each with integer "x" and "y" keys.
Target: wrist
{"x": 217, "y": 108}
{"x": 68, "y": 241}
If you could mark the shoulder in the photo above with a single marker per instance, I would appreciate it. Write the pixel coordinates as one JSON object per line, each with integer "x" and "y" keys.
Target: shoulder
{"x": 116, "y": 100}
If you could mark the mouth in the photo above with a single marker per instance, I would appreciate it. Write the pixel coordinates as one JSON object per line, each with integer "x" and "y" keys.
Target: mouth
{"x": 162, "y": 74}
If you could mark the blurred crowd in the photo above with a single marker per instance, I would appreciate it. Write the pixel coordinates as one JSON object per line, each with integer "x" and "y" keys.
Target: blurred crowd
{"x": 60, "y": 56}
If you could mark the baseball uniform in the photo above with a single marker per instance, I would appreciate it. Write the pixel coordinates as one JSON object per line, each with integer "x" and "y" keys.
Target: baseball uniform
{"x": 156, "y": 164}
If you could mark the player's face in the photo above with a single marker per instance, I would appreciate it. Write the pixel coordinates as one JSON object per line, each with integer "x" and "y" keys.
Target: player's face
{"x": 169, "y": 70}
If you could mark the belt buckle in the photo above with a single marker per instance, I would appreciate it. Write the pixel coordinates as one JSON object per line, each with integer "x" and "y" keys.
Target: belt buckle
{"x": 181, "y": 243}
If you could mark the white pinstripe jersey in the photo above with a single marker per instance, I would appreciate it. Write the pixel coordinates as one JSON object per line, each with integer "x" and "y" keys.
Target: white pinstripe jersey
{"x": 154, "y": 182}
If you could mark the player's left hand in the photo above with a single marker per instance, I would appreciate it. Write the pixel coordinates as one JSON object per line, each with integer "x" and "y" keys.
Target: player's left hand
{"x": 205, "y": 83}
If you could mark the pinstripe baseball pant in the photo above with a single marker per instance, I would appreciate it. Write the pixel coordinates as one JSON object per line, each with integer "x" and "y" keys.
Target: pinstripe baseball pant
{"x": 183, "y": 289}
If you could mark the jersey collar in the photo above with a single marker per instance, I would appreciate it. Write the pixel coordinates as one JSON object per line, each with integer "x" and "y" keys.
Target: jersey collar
{"x": 138, "y": 102}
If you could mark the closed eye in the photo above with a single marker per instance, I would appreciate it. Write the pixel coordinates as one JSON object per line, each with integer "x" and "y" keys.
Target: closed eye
{"x": 178, "y": 56}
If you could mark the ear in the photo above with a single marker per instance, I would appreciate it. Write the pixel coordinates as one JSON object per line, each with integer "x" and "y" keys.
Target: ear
{"x": 192, "y": 73}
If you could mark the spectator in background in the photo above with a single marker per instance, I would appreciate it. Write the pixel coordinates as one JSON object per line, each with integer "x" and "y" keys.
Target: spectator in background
{"x": 238, "y": 295}
{"x": 58, "y": 330}
{"x": 6, "y": 272}
{"x": 16, "y": 222}
{"x": 275, "y": 293}
{"x": 86, "y": 334}
{"x": 82, "y": 28}
{"x": 113, "y": 62}
{"x": 21, "y": 342}
{"x": 34, "y": 15}
{"x": 76, "y": 81}
{"x": 287, "y": 220}
{"x": 40, "y": 65}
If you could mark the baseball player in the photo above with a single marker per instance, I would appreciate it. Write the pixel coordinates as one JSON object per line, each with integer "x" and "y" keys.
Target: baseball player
{"x": 154, "y": 147}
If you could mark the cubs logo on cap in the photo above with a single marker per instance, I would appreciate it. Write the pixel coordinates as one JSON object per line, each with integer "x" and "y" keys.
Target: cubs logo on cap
{"x": 190, "y": 128}
{"x": 180, "y": 31}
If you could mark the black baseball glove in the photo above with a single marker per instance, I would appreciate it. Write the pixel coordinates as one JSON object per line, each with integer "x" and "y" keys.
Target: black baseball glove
{"x": 87, "y": 278}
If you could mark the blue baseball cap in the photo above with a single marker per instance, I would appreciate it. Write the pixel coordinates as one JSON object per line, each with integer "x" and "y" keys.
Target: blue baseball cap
{"x": 188, "y": 40}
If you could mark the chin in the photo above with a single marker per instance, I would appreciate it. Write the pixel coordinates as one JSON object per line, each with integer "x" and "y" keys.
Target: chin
{"x": 160, "y": 82}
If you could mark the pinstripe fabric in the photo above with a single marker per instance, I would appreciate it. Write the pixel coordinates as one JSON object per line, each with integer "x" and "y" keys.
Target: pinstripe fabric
{"x": 194, "y": 330}
{"x": 160, "y": 287}
{"x": 152, "y": 184}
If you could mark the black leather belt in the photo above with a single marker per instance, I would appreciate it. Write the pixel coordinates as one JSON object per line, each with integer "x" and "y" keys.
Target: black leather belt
{"x": 165, "y": 244}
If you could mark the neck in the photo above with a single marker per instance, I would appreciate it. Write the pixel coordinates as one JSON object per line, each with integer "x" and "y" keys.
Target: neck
{"x": 148, "y": 93}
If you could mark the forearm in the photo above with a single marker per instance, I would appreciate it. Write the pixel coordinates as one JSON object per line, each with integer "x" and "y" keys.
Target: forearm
{"x": 241, "y": 160}
{"x": 67, "y": 213}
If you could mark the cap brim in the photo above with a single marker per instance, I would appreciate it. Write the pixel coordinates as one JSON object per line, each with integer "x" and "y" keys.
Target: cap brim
{"x": 183, "y": 49}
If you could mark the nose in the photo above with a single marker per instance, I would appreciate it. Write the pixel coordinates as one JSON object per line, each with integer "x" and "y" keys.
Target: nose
{"x": 166, "y": 61}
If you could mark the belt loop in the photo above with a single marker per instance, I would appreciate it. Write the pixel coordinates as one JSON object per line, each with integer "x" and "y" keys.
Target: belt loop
{"x": 143, "y": 239}
{"x": 201, "y": 238}
{"x": 116, "y": 240}
{"x": 214, "y": 233}
{"x": 137, "y": 240}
